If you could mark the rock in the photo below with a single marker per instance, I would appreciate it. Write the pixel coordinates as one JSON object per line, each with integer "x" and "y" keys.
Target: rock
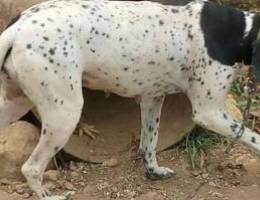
{"x": 89, "y": 188}
{"x": 17, "y": 141}
{"x": 205, "y": 175}
{"x": 112, "y": 162}
{"x": 49, "y": 185}
{"x": 118, "y": 121}
{"x": 69, "y": 186}
{"x": 74, "y": 175}
{"x": 150, "y": 196}
{"x": 51, "y": 175}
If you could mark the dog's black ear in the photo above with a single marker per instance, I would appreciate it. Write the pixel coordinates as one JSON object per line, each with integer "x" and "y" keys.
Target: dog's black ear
{"x": 256, "y": 57}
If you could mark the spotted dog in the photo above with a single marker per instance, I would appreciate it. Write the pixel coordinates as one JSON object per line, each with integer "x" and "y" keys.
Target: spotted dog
{"x": 134, "y": 49}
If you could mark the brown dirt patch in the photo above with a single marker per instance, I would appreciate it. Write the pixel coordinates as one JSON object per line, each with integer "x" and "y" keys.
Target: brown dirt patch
{"x": 233, "y": 176}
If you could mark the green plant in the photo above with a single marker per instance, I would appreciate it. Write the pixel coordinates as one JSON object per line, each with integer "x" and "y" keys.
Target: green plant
{"x": 198, "y": 142}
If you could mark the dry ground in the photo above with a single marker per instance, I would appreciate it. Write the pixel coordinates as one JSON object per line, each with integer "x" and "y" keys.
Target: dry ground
{"x": 231, "y": 176}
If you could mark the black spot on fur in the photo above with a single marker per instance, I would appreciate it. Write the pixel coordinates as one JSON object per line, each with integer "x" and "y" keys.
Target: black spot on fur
{"x": 225, "y": 116}
{"x": 35, "y": 10}
{"x": 157, "y": 120}
{"x": 46, "y": 38}
{"x": 71, "y": 87}
{"x": 29, "y": 46}
{"x": 161, "y": 22}
{"x": 253, "y": 140}
{"x": 52, "y": 51}
{"x": 234, "y": 127}
{"x": 229, "y": 76}
{"x": 171, "y": 58}
{"x": 149, "y": 154}
{"x": 174, "y": 10}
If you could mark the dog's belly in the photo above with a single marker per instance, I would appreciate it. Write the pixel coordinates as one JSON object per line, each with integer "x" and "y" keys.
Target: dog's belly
{"x": 139, "y": 81}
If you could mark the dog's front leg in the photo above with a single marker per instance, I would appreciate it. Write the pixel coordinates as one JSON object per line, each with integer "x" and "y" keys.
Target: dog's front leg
{"x": 150, "y": 116}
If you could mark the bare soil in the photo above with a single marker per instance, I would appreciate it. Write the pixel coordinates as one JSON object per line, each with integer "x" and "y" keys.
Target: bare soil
{"x": 232, "y": 176}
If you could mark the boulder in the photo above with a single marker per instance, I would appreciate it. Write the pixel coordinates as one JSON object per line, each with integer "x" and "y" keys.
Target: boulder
{"x": 17, "y": 142}
{"x": 118, "y": 120}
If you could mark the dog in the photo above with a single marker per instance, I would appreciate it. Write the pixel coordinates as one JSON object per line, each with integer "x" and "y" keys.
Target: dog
{"x": 141, "y": 50}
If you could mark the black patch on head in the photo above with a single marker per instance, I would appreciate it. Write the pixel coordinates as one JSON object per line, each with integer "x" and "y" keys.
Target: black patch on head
{"x": 223, "y": 28}
{"x": 253, "y": 140}
{"x": 14, "y": 20}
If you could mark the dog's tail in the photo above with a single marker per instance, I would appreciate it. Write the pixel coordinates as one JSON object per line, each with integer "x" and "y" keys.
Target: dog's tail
{"x": 6, "y": 43}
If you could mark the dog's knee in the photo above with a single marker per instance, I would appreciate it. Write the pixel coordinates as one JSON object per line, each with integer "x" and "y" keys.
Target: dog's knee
{"x": 30, "y": 170}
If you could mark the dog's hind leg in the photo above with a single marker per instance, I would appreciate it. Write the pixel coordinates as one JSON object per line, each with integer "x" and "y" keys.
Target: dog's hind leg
{"x": 59, "y": 103}
{"x": 57, "y": 127}
{"x": 150, "y": 116}
{"x": 58, "y": 123}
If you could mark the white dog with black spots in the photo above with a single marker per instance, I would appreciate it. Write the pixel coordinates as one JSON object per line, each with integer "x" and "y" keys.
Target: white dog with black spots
{"x": 134, "y": 49}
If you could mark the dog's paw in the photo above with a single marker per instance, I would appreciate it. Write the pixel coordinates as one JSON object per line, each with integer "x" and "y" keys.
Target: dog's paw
{"x": 159, "y": 173}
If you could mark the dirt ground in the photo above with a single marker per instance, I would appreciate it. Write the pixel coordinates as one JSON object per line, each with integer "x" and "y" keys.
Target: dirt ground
{"x": 225, "y": 176}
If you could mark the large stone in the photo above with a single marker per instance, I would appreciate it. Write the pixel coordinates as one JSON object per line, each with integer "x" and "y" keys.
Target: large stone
{"x": 118, "y": 120}
{"x": 16, "y": 144}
